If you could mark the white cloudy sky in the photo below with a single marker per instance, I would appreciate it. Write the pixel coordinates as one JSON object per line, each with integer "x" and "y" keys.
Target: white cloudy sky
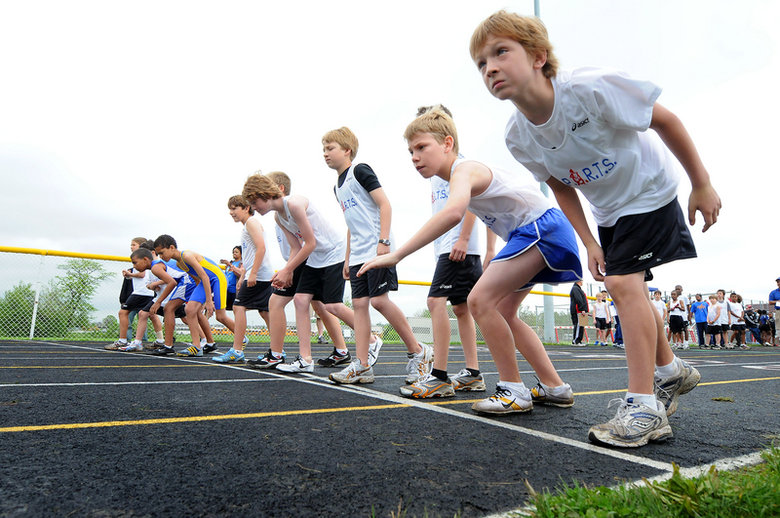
{"x": 142, "y": 118}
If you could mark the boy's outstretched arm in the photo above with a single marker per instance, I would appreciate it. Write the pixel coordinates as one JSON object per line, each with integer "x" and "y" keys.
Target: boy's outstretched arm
{"x": 570, "y": 204}
{"x": 255, "y": 231}
{"x": 703, "y": 196}
{"x": 192, "y": 261}
{"x": 385, "y": 216}
{"x": 461, "y": 247}
{"x": 161, "y": 273}
{"x": 441, "y": 222}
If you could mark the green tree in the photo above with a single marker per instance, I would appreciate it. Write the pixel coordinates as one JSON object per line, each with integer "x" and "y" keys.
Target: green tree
{"x": 76, "y": 288}
{"x": 16, "y": 308}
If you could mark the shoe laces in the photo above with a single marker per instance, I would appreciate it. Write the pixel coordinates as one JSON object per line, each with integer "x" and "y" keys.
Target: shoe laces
{"x": 500, "y": 392}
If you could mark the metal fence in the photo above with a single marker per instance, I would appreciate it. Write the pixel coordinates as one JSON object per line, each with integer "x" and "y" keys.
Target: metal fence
{"x": 54, "y": 295}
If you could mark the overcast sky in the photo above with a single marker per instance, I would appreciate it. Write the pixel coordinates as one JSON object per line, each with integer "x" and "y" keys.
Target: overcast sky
{"x": 142, "y": 118}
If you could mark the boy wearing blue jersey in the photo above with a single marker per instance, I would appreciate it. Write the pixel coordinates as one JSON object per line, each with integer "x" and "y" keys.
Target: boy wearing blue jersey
{"x": 367, "y": 212}
{"x": 586, "y": 129}
{"x": 541, "y": 247}
{"x": 211, "y": 293}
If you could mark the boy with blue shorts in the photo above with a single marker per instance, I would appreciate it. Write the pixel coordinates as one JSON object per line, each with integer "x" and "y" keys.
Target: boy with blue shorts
{"x": 541, "y": 248}
{"x": 586, "y": 129}
{"x": 211, "y": 293}
{"x": 367, "y": 212}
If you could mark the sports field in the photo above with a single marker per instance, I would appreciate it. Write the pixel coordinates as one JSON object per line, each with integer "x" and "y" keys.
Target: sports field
{"x": 88, "y": 432}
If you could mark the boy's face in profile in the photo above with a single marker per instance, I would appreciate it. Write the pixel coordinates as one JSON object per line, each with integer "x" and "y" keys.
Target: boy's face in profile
{"x": 236, "y": 212}
{"x": 141, "y": 263}
{"x": 134, "y": 246}
{"x": 336, "y": 157}
{"x": 166, "y": 254}
{"x": 428, "y": 154}
{"x": 506, "y": 67}
{"x": 261, "y": 206}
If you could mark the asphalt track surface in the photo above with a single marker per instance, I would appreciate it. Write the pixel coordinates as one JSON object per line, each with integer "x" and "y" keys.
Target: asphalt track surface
{"x": 88, "y": 432}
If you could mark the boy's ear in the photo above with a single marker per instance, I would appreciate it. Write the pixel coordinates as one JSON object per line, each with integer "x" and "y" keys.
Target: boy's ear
{"x": 540, "y": 59}
{"x": 449, "y": 143}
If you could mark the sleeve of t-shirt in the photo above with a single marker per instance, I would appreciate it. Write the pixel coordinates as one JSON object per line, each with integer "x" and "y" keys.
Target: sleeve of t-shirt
{"x": 366, "y": 177}
{"x": 616, "y": 98}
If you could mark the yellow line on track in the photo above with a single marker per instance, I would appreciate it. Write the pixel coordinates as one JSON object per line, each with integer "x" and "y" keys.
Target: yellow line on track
{"x": 195, "y": 419}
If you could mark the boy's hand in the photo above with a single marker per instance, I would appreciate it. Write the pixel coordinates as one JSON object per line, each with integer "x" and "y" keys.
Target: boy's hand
{"x": 209, "y": 308}
{"x": 225, "y": 262}
{"x": 596, "y": 263}
{"x": 705, "y": 200}
{"x": 382, "y": 249}
{"x": 154, "y": 308}
{"x": 251, "y": 282}
{"x": 345, "y": 271}
{"x": 282, "y": 279}
{"x": 125, "y": 273}
{"x": 380, "y": 261}
{"x": 459, "y": 250}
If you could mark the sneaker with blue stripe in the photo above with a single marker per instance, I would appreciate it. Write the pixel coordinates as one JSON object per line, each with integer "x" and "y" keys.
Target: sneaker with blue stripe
{"x": 231, "y": 356}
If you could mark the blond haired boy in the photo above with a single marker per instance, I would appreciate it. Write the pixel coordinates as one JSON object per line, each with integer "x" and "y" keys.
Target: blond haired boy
{"x": 541, "y": 247}
{"x": 368, "y": 213}
{"x": 586, "y": 129}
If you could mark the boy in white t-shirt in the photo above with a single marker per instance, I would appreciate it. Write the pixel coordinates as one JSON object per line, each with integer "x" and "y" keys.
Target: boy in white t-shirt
{"x": 586, "y": 130}
{"x": 541, "y": 248}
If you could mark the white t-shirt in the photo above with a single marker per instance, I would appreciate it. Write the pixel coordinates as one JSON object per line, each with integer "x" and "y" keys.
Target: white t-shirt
{"x": 676, "y": 308}
{"x": 596, "y": 140}
{"x": 329, "y": 249}
{"x": 687, "y": 306}
{"x": 724, "y": 313}
{"x": 284, "y": 245}
{"x": 660, "y": 306}
{"x": 507, "y": 203}
{"x": 600, "y": 310}
{"x": 248, "y": 250}
{"x": 440, "y": 193}
{"x": 139, "y": 283}
{"x": 736, "y": 308}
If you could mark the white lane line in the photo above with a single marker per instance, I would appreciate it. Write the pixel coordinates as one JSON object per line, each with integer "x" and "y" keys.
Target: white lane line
{"x": 322, "y": 382}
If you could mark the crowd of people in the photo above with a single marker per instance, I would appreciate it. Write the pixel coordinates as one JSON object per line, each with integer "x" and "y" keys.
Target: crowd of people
{"x": 714, "y": 322}
{"x": 583, "y": 130}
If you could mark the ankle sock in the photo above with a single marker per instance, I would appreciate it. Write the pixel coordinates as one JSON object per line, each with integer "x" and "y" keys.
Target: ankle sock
{"x": 517, "y": 388}
{"x": 665, "y": 371}
{"x": 440, "y": 374}
{"x": 342, "y": 352}
{"x": 644, "y": 399}
{"x": 473, "y": 372}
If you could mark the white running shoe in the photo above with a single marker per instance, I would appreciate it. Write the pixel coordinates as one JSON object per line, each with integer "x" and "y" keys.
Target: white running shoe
{"x": 373, "y": 351}
{"x": 633, "y": 426}
{"x": 504, "y": 401}
{"x": 420, "y": 364}
{"x": 667, "y": 390}
{"x": 355, "y": 372}
{"x": 299, "y": 365}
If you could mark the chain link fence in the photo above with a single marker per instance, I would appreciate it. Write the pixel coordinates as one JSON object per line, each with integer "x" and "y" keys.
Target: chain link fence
{"x": 51, "y": 295}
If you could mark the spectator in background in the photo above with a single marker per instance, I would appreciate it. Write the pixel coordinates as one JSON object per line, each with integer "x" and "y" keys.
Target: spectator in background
{"x": 659, "y": 305}
{"x": 686, "y": 322}
{"x": 578, "y": 305}
{"x": 698, "y": 312}
{"x": 751, "y": 324}
{"x": 774, "y": 299}
{"x": 736, "y": 320}
{"x": 233, "y": 270}
{"x": 677, "y": 311}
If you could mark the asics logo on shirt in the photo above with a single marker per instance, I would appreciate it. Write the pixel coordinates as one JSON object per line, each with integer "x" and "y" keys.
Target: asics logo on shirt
{"x": 590, "y": 173}
{"x": 580, "y": 124}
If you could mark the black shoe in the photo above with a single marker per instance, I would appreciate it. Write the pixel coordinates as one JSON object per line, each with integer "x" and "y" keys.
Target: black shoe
{"x": 335, "y": 359}
{"x": 321, "y": 340}
{"x": 267, "y": 361}
{"x": 210, "y": 348}
{"x": 162, "y": 351}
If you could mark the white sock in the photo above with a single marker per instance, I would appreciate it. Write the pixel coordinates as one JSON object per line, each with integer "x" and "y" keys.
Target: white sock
{"x": 518, "y": 389}
{"x": 342, "y": 351}
{"x": 159, "y": 335}
{"x": 665, "y": 371}
{"x": 123, "y": 340}
{"x": 644, "y": 399}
